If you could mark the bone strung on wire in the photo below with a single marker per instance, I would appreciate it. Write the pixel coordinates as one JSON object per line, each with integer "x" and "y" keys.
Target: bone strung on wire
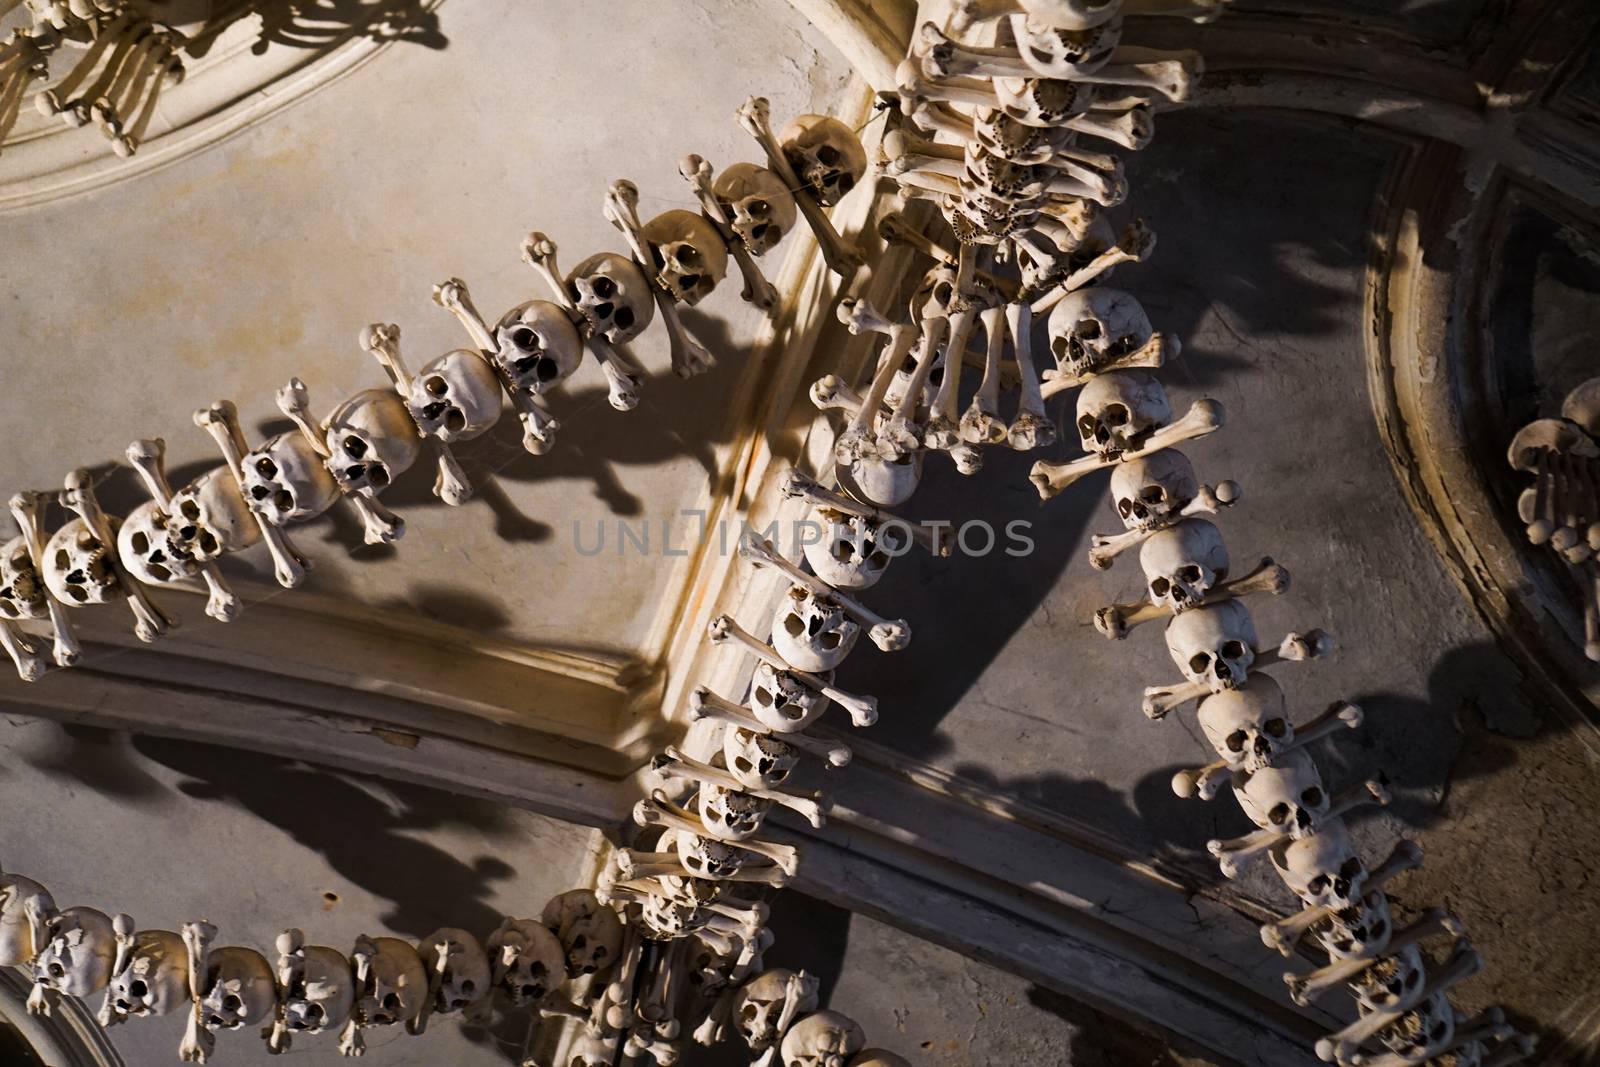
{"x": 379, "y": 525}
{"x": 1116, "y": 620}
{"x": 855, "y": 442}
{"x": 755, "y": 115}
{"x": 198, "y": 1041}
{"x": 890, "y": 635}
{"x": 1031, "y": 428}
{"x": 1233, "y": 853}
{"x": 689, "y": 357}
{"x": 78, "y": 496}
{"x": 1342, "y": 1045}
{"x": 1204, "y": 782}
{"x": 27, "y": 508}
{"x": 1105, "y": 548}
{"x": 1435, "y": 922}
{"x": 1203, "y": 418}
{"x": 220, "y": 420}
{"x": 147, "y": 456}
{"x": 704, "y": 704}
{"x": 539, "y": 252}
{"x": 1295, "y": 648}
{"x": 660, "y": 812}
{"x": 382, "y": 341}
{"x": 981, "y": 423}
{"x": 800, "y": 486}
{"x": 1155, "y": 353}
{"x": 1285, "y": 933}
{"x": 539, "y": 426}
{"x": 672, "y": 763}
{"x": 757, "y": 289}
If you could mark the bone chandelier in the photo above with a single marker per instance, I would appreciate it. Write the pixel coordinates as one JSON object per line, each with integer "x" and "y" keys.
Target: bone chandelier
{"x": 990, "y": 111}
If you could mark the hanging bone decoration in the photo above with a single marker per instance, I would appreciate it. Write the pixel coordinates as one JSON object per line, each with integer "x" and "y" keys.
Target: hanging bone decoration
{"x": 1562, "y": 507}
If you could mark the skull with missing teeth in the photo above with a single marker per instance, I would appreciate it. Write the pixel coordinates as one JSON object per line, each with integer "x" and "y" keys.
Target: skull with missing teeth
{"x": 371, "y": 441}
{"x": 527, "y": 960}
{"x": 148, "y": 547}
{"x": 1322, "y": 869}
{"x": 759, "y": 1004}
{"x": 79, "y": 950}
{"x": 826, "y": 1039}
{"x": 1150, "y": 492}
{"x": 1091, "y": 327}
{"x": 391, "y": 984}
{"x": 22, "y": 591}
{"x": 759, "y": 207}
{"x": 781, "y": 702}
{"x": 1248, "y": 726}
{"x": 209, "y": 517}
{"x": 852, "y": 552}
{"x": 465, "y": 979}
{"x": 456, "y": 397}
{"x": 1287, "y": 796}
{"x": 155, "y": 979}
{"x": 77, "y": 565}
{"x": 286, "y": 481}
{"x": 1214, "y": 644}
{"x": 320, "y": 993}
{"x": 1183, "y": 563}
{"x": 1041, "y": 271}
{"x": 613, "y": 296}
{"x": 812, "y": 632}
{"x": 236, "y": 989}
{"x": 825, "y": 155}
{"x": 591, "y": 932}
{"x": 759, "y": 761}
{"x": 729, "y": 814}
{"x": 690, "y": 258}
{"x": 1119, "y": 410}
{"x": 539, "y": 347}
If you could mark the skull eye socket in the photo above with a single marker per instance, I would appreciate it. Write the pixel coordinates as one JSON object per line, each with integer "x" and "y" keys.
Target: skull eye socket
{"x": 1236, "y": 741}
{"x": 546, "y": 369}
{"x": 1279, "y": 814}
{"x": 623, "y": 318}
{"x": 1276, "y": 727}
{"x": 56, "y": 970}
{"x": 604, "y": 287}
{"x": 1189, "y": 573}
{"x": 1312, "y": 798}
{"x": 1087, "y": 330}
{"x": 436, "y": 385}
{"x": 1160, "y": 587}
{"x": 1200, "y": 662}
{"x": 391, "y": 1002}
{"x": 828, "y": 155}
{"x": 1233, "y": 649}
{"x": 1152, "y": 494}
{"x": 354, "y": 447}
{"x": 378, "y": 475}
{"x": 266, "y": 468}
{"x": 232, "y": 1003}
{"x": 1350, "y": 869}
{"x": 1115, "y": 415}
{"x": 1319, "y": 884}
{"x": 524, "y": 338}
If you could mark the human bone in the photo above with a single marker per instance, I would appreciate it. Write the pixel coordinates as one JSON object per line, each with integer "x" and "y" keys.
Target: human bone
{"x": 209, "y": 517}
{"x": 589, "y": 931}
{"x": 825, "y": 154}
{"x": 1204, "y": 417}
{"x": 75, "y": 959}
{"x": 22, "y": 591}
{"x": 704, "y": 856}
{"x": 690, "y": 256}
{"x": 150, "y": 976}
{"x": 853, "y": 551}
{"x": 317, "y": 990}
{"x": 826, "y": 1039}
{"x": 1322, "y": 869}
{"x": 78, "y": 567}
{"x": 236, "y": 989}
{"x": 220, "y": 421}
{"x": 26, "y": 907}
{"x": 812, "y": 632}
{"x": 538, "y": 347}
{"x": 371, "y": 441}
{"x": 1183, "y": 563}
{"x": 760, "y": 208}
{"x": 391, "y": 988}
{"x": 877, "y": 1057}
{"x": 780, "y": 701}
{"x": 611, "y": 301}
{"x": 1344, "y": 906}
{"x": 1092, "y": 327}
{"x": 285, "y": 480}
{"x": 1287, "y": 795}
{"x": 460, "y": 399}
{"x": 890, "y": 635}
{"x": 737, "y": 227}
{"x": 379, "y": 524}
{"x": 680, "y": 278}
{"x": 736, "y": 778}
{"x": 27, "y": 509}
{"x": 759, "y": 758}
{"x": 457, "y": 968}
{"x": 1214, "y": 644}
{"x": 833, "y": 173}
{"x": 527, "y": 961}
{"x": 1119, "y": 410}
{"x": 1151, "y": 492}
{"x": 731, "y": 814}
{"x": 770, "y": 998}
{"x": 92, "y": 555}
{"x": 1248, "y": 725}
{"x": 704, "y": 704}
{"x": 1208, "y": 500}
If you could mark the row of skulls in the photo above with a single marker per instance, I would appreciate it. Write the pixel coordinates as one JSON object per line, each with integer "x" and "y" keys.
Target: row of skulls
{"x": 694, "y": 891}
{"x": 1561, "y": 508}
{"x": 309, "y": 990}
{"x": 371, "y": 439}
{"x": 1006, "y": 91}
{"x": 123, "y": 58}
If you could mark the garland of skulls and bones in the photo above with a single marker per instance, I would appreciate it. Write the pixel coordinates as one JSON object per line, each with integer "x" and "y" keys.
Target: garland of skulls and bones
{"x": 990, "y": 135}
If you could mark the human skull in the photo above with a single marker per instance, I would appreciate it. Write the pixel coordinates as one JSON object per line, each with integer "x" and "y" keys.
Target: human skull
{"x": 236, "y": 989}
{"x": 1042, "y": 267}
{"x": 320, "y": 990}
{"x": 1214, "y": 644}
{"x": 1395, "y": 978}
{"x": 854, "y": 551}
{"x": 391, "y": 985}
{"x": 465, "y": 979}
{"x": 690, "y": 257}
{"x": 1091, "y": 327}
{"x": 877, "y": 1057}
{"x": 1064, "y": 53}
{"x": 593, "y": 1050}
{"x": 1183, "y": 563}
{"x": 613, "y": 296}
{"x": 22, "y": 591}
{"x": 1119, "y": 410}
{"x": 1042, "y": 101}
{"x": 456, "y": 397}
{"x": 1070, "y": 14}
{"x": 935, "y": 297}
{"x": 539, "y": 346}
{"x": 710, "y": 965}
{"x": 371, "y": 440}
{"x": 666, "y": 918}
{"x": 208, "y": 518}
{"x": 1150, "y": 492}
{"x": 811, "y": 632}
{"x": 19, "y": 895}
{"x": 884, "y": 481}
{"x": 285, "y": 480}
{"x": 1287, "y": 796}
{"x": 589, "y": 931}
{"x": 759, "y": 1004}
{"x": 77, "y": 565}
{"x": 1424, "y": 1031}
{"x": 1361, "y": 930}
{"x": 826, "y": 1039}
{"x": 155, "y": 979}
{"x": 1322, "y": 869}
{"x": 825, "y": 154}
{"x": 145, "y": 544}
{"x": 759, "y": 761}
{"x": 1247, "y": 726}
{"x": 79, "y": 949}
{"x": 527, "y": 960}
{"x": 759, "y": 207}
{"x": 706, "y": 857}
{"x": 781, "y": 702}
{"x": 729, "y": 814}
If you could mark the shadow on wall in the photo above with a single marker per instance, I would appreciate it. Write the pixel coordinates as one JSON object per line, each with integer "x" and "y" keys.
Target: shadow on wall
{"x": 309, "y": 24}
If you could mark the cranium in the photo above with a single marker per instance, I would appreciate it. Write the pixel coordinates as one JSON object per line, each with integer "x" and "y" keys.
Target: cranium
{"x": 854, "y": 551}
{"x": 826, "y": 1039}
{"x": 1151, "y": 492}
{"x": 1287, "y": 796}
{"x": 1042, "y": 101}
{"x": 286, "y": 481}
{"x": 318, "y": 985}
{"x": 236, "y": 989}
{"x": 527, "y": 961}
{"x": 1042, "y": 267}
{"x": 391, "y": 985}
{"x": 884, "y": 481}
{"x": 145, "y": 543}
{"x": 1059, "y": 52}
{"x": 1322, "y": 869}
{"x": 1423, "y": 1031}
{"x": 465, "y": 977}
{"x": 706, "y": 857}
{"x": 759, "y": 761}
{"x": 812, "y": 633}
{"x": 22, "y": 591}
{"x": 760, "y": 1002}
{"x": 782, "y": 703}
{"x": 77, "y": 565}
{"x": 1359, "y": 930}
{"x": 455, "y": 397}
{"x": 1183, "y": 563}
{"x": 25, "y": 909}
{"x": 372, "y": 440}
{"x": 877, "y": 1057}
{"x": 1247, "y": 726}
{"x": 729, "y": 814}
{"x": 1394, "y": 979}
{"x": 1090, "y": 327}
{"x": 1070, "y": 14}
{"x": 936, "y": 296}
{"x": 690, "y": 258}
{"x": 613, "y": 296}
{"x": 1119, "y": 410}
{"x": 710, "y": 964}
{"x": 760, "y": 208}
{"x": 825, "y": 155}
{"x": 589, "y": 931}
{"x": 1214, "y": 644}
{"x": 593, "y": 1050}
{"x": 665, "y": 918}
{"x": 209, "y": 518}
{"x": 154, "y": 980}
{"x": 79, "y": 949}
{"x": 539, "y": 346}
